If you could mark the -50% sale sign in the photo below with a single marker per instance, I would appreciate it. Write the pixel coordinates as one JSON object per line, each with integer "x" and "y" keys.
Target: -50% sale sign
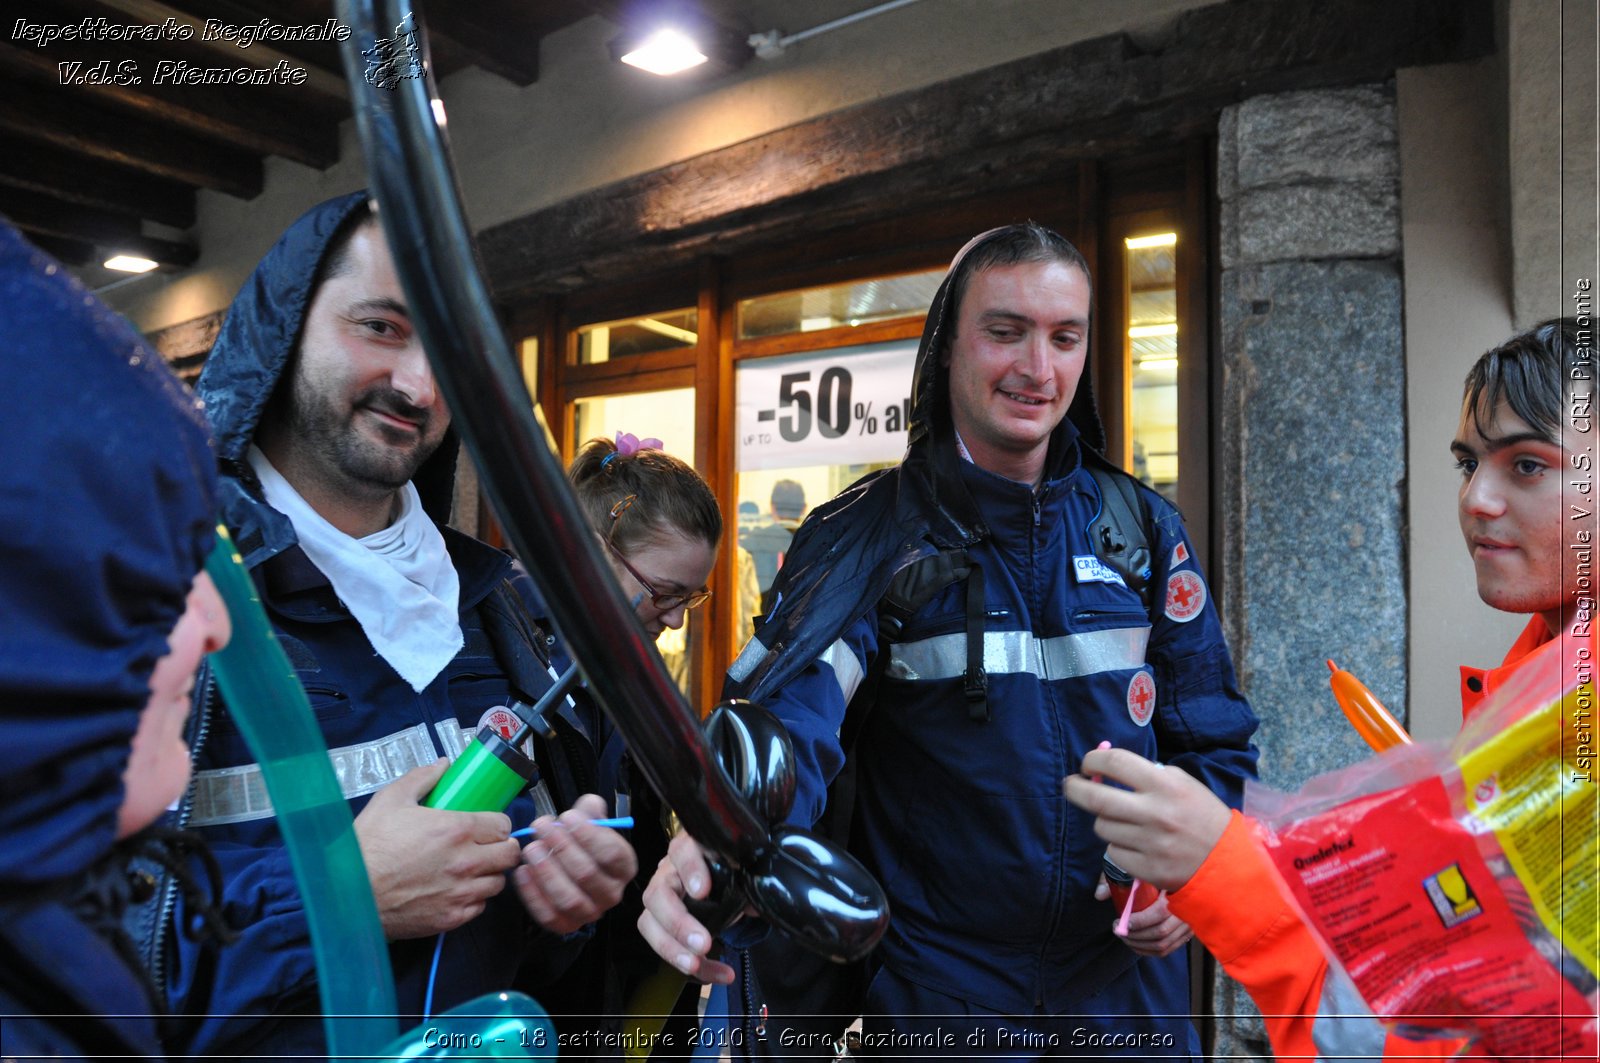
{"x": 846, "y": 406}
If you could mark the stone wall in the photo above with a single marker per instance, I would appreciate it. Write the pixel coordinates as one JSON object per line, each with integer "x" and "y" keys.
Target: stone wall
{"x": 1312, "y": 457}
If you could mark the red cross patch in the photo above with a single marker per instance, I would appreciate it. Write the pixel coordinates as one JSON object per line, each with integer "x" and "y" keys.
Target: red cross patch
{"x": 1186, "y": 596}
{"x": 1141, "y": 698}
{"x": 502, "y": 719}
{"x": 1180, "y": 554}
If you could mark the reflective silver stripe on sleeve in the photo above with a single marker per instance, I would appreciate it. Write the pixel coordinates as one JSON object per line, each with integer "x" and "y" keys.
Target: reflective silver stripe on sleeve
{"x": 238, "y": 795}
{"x": 1088, "y": 652}
{"x": 453, "y": 738}
{"x": 1345, "y": 1027}
{"x": 752, "y": 654}
{"x": 1011, "y": 652}
{"x": 543, "y": 803}
{"x": 846, "y": 668}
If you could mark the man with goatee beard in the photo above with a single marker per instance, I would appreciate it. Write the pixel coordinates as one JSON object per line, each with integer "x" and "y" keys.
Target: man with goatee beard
{"x": 337, "y": 464}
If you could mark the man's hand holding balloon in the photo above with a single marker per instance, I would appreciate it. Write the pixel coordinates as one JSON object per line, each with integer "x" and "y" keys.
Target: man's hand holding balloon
{"x": 1161, "y": 827}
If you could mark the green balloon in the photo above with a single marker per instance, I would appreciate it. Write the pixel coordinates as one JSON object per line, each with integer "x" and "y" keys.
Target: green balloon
{"x": 267, "y": 702}
{"x": 494, "y": 1026}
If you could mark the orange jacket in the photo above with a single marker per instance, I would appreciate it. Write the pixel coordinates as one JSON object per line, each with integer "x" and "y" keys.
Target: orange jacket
{"x": 1241, "y": 912}
{"x": 1478, "y": 683}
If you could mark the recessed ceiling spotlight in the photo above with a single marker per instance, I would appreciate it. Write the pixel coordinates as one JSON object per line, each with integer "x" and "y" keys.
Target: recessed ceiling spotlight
{"x": 665, "y": 52}
{"x": 130, "y": 264}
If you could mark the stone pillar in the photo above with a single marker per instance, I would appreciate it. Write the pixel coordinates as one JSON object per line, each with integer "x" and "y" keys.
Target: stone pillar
{"x": 1313, "y": 430}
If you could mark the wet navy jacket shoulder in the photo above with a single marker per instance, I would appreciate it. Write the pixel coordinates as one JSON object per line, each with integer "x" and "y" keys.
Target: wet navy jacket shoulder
{"x": 106, "y": 513}
{"x": 259, "y": 994}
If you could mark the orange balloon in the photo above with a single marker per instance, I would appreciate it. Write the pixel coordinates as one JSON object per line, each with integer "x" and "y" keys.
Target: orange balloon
{"x": 1365, "y": 712}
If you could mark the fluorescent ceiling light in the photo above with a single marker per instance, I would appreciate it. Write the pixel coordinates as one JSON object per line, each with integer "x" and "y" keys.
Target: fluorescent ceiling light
{"x": 1155, "y": 365}
{"x": 1143, "y": 332}
{"x": 664, "y": 52}
{"x": 1134, "y": 243}
{"x": 130, "y": 264}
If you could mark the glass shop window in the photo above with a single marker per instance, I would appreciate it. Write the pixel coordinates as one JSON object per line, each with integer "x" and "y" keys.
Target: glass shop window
{"x": 1151, "y": 350}
{"x": 848, "y": 305}
{"x": 672, "y": 330}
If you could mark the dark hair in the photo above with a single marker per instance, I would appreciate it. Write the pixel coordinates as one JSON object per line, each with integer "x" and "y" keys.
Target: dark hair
{"x": 1012, "y": 245}
{"x": 788, "y": 499}
{"x": 668, "y": 495}
{"x": 1530, "y": 373}
{"x": 336, "y": 257}
{"x": 335, "y": 262}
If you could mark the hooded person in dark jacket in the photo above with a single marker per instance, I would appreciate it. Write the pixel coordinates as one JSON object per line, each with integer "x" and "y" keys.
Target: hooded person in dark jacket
{"x": 106, "y": 514}
{"x": 997, "y": 939}
{"x": 337, "y": 472}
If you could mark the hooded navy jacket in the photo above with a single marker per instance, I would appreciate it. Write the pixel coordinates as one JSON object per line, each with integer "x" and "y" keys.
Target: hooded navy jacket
{"x": 990, "y": 873}
{"x": 106, "y": 513}
{"x": 259, "y": 996}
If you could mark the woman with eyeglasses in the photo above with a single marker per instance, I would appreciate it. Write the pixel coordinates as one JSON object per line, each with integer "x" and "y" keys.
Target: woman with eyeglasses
{"x": 661, "y": 528}
{"x": 659, "y": 520}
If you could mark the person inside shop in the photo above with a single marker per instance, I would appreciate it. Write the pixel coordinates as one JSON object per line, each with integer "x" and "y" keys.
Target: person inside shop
{"x": 769, "y": 540}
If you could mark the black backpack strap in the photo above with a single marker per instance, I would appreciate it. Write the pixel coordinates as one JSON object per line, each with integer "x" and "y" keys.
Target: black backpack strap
{"x": 567, "y": 761}
{"x": 912, "y": 588}
{"x": 1120, "y": 534}
{"x": 975, "y": 683}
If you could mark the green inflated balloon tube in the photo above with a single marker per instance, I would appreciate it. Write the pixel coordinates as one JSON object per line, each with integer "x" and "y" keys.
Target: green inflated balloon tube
{"x": 356, "y": 983}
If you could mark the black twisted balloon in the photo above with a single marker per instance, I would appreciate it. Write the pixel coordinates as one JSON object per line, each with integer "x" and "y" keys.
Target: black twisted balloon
{"x": 804, "y": 885}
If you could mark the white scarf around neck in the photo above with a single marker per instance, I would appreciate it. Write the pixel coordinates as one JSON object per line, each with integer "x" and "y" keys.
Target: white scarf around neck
{"x": 398, "y": 583}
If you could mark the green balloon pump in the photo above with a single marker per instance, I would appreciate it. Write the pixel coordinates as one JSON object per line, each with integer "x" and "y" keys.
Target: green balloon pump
{"x": 492, "y": 770}
{"x": 356, "y": 984}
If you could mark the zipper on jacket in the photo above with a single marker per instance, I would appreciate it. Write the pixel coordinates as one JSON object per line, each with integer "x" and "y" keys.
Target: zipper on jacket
{"x": 1061, "y": 876}
{"x": 1101, "y": 614}
{"x": 1056, "y": 900}
{"x": 748, "y": 1024}
{"x": 157, "y": 953}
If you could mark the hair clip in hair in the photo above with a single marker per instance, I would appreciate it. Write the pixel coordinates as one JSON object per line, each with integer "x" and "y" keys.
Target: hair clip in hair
{"x": 629, "y": 444}
{"x": 622, "y": 506}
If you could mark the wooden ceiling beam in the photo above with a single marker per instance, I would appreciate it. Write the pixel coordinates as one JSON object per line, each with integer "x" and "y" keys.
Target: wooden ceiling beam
{"x": 69, "y": 176}
{"x": 499, "y": 36}
{"x": 1094, "y": 99}
{"x": 323, "y": 55}
{"x": 77, "y": 125}
{"x": 70, "y": 252}
{"x": 45, "y": 214}
{"x": 262, "y": 54}
{"x": 618, "y": 12}
{"x": 182, "y": 39}
{"x": 259, "y": 118}
{"x": 105, "y": 230}
{"x": 448, "y": 56}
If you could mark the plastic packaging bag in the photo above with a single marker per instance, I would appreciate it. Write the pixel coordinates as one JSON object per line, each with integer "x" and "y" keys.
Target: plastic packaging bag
{"x": 1457, "y": 885}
